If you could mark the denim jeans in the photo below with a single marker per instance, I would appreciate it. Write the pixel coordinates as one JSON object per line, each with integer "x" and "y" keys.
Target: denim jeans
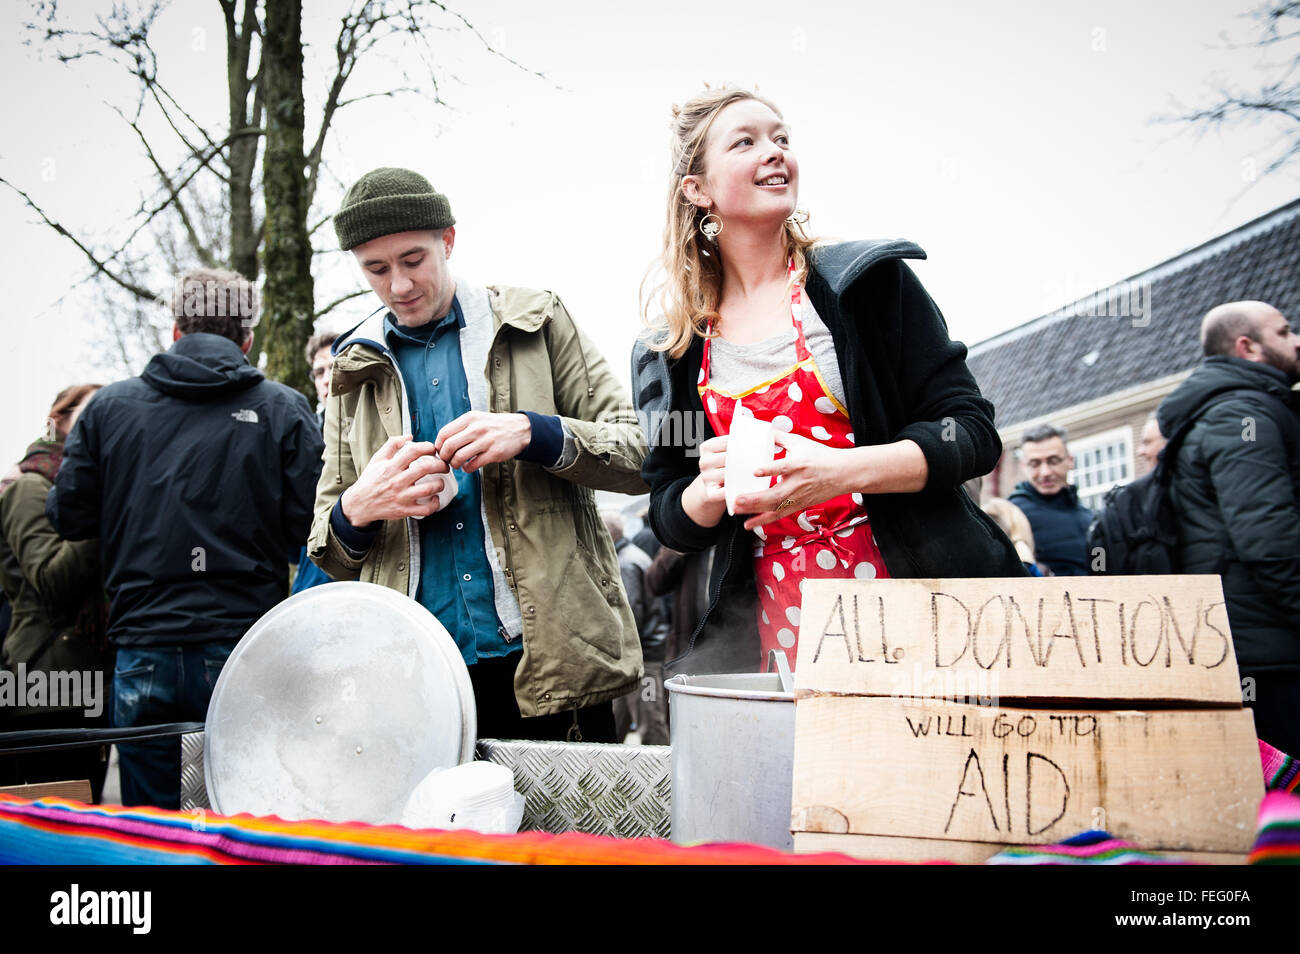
{"x": 154, "y": 685}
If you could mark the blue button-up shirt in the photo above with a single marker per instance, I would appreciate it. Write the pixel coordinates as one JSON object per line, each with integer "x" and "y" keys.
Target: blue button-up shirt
{"x": 455, "y": 576}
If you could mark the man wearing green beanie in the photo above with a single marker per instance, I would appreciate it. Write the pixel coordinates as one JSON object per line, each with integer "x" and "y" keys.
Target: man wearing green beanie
{"x": 465, "y": 431}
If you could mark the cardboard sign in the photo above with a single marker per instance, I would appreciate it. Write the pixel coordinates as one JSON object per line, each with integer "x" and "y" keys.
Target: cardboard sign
{"x": 1106, "y": 639}
{"x": 1164, "y": 779}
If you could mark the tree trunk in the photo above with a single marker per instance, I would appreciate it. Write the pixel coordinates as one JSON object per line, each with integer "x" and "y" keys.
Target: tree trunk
{"x": 242, "y": 152}
{"x": 287, "y": 305}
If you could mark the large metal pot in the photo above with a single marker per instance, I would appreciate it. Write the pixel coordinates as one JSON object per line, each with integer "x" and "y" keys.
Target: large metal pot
{"x": 733, "y": 758}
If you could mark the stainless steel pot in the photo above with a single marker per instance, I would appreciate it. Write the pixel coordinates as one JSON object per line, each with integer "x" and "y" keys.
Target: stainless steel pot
{"x": 733, "y": 758}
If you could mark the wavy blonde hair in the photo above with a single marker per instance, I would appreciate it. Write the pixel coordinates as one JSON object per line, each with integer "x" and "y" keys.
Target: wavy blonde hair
{"x": 688, "y": 292}
{"x": 1014, "y": 524}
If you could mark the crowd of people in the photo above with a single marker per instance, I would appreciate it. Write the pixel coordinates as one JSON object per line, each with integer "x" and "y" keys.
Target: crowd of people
{"x": 462, "y": 430}
{"x": 1227, "y": 440}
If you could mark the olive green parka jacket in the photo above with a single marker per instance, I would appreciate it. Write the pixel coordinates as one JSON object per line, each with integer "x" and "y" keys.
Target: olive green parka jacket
{"x": 49, "y": 582}
{"x": 580, "y": 642}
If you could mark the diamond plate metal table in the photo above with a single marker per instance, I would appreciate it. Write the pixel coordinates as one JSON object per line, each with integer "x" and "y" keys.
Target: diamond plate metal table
{"x": 194, "y": 789}
{"x": 596, "y": 789}
{"x": 619, "y": 790}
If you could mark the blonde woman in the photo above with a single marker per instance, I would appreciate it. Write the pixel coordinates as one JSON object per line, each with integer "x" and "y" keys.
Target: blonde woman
{"x": 1016, "y": 526}
{"x": 878, "y": 421}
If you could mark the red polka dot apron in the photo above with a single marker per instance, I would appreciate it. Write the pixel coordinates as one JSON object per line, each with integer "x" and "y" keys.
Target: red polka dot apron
{"x": 831, "y": 540}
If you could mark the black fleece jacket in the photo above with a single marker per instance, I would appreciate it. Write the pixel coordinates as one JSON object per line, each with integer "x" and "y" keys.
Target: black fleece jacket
{"x": 198, "y": 477}
{"x": 904, "y": 379}
{"x": 1236, "y": 490}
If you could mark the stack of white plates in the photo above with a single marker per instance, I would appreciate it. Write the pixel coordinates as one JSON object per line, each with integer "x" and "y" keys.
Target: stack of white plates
{"x": 477, "y": 795}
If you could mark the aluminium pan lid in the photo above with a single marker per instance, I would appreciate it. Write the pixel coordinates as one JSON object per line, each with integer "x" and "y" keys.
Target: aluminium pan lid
{"x": 334, "y": 705}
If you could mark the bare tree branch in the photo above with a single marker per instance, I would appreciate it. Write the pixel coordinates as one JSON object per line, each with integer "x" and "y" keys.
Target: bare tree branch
{"x": 486, "y": 45}
{"x": 204, "y": 160}
{"x": 344, "y": 53}
{"x": 200, "y": 249}
{"x": 1272, "y": 17}
{"x": 396, "y": 90}
{"x": 179, "y": 217}
{"x": 100, "y": 266}
{"x": 340, "y": 300}
{"x": 1278, "y": 100}
{"x": 365, "y": 27}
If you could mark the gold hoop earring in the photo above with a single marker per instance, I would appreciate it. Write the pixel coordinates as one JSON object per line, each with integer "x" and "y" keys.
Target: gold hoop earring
{"x": 798, "y": 217}
{"x": 710, "y": 226}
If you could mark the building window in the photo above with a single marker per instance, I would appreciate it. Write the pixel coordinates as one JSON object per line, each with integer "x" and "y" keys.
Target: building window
{"x": 1102, "y": 461}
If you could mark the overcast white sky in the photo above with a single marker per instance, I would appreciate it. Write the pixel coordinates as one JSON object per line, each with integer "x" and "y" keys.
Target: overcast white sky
{"x": 1012, "y": 140}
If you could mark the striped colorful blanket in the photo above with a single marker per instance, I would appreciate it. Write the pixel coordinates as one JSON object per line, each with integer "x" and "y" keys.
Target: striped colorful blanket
{"x": 1087, "y": 848}
{"x": 59, "y": 831}
{"x": 1277, "y": 841}
{"x": 1281, "y": 771}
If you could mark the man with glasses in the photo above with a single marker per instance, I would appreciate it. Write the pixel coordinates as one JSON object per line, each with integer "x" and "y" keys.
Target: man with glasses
{"x": 1059, "y": 521}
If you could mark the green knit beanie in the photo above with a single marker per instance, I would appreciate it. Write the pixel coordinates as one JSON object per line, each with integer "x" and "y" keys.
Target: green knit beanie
{"x": 385, "y": 201}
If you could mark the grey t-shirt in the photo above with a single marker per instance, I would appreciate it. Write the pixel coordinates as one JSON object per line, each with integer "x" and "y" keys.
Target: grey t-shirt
{"x": 737, "y": 368}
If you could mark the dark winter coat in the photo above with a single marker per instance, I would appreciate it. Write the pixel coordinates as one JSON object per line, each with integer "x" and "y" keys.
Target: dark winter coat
{"x": 650, "y": 612}
{"x": 198, "y": 477}
{"x": 682, "y": 579}
{"x": 1236, "y": 490}
{"x": 904, "y": 379}
{"x": 53, "y": 585}
{"x": 1060, "y": 524}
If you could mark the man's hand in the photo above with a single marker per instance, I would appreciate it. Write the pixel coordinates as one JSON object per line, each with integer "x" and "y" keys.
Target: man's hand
{"x": 387, "y": 489}
{"x": 478, "y": 438}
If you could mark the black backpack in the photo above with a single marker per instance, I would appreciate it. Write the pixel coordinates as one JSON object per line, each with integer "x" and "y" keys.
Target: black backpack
{"x": 1136, "y": 533}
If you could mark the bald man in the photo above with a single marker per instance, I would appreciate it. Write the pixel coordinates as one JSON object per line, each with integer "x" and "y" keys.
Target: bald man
{"x": 1236, "y": 489}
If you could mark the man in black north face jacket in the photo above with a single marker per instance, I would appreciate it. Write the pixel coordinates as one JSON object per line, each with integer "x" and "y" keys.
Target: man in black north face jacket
{"x": 1236, "y": 490}
{"x": 198, "y": 477}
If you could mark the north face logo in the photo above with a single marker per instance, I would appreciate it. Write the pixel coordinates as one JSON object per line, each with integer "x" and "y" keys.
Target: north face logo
{"x": 245, "y": 415}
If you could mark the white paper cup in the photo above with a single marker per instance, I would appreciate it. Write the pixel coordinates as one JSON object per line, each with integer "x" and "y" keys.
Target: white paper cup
{"x": 445, "y": 496}
{"x": 750, "y": 445}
